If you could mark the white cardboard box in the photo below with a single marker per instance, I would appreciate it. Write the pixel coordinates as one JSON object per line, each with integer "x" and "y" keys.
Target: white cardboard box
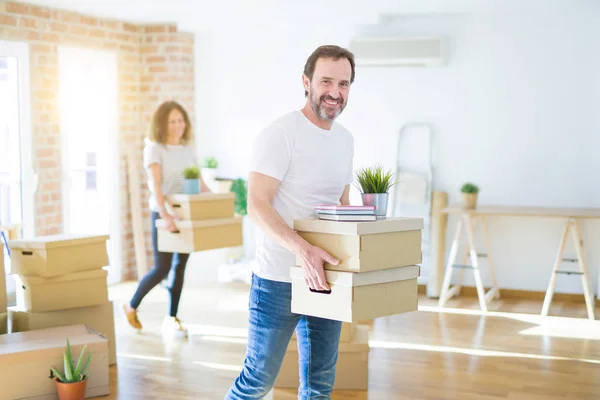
{"x": 26, "y": 358}
{"x": 357, "y": 296}
{"x": 203, "y": 206}
{"x": 78, "y": 289}
{"x": 352, "y": 368}
{"x": 100, "y": 318}
{"x": 55, "y": 255}
{"x": 365, "y": 246}
{"x": 196, "y": 236}
{"x": 3, "y": 298}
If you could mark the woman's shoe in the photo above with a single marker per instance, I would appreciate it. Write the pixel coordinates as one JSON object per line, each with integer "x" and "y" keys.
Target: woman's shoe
{"x": 131, "y": 315}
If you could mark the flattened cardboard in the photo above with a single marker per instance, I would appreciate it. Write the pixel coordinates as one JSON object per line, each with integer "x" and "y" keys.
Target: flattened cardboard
{"x": 3, "y": 323}
{"x": 26, "y": 358}
{"x": 79, "y": 289}
{"x": 352, "y": 368}
{"x": 203, "y": 206}
{"x": 100, "y": 318}
{"x": 356, "y": 297}
{"x": 55, "y": 255}
{"x": 362, "y": 248}
{"x": 3, "y": 295}
{"x": 400, "y": 224}
{"x": 196, "y": 236}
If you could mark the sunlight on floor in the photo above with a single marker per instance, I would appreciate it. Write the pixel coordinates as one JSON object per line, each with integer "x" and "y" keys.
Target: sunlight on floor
{"x": 143, "y": 357}
{"x": 222, "y": 367}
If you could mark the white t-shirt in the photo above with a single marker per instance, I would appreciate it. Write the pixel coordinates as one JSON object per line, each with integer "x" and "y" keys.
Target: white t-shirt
{"x": 314, "y": 165}
{"x": 173, "y": 159}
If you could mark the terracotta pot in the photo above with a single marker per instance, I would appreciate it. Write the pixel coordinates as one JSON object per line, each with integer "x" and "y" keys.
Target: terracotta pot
{"x": 470, "y": 200}
{"x": 71, "y": 391}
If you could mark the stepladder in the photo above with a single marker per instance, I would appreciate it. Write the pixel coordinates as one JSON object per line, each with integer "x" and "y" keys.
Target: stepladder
{"x": 572, "y": 226}
{"x": 468, "y": 222}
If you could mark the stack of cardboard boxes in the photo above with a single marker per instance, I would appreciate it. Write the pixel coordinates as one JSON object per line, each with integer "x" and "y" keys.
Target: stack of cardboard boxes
{"x": 62, "y": 280}
{"x": 206, "y": 221}
{"x": 3, "y": 298}
{"x": 376, "y": 277}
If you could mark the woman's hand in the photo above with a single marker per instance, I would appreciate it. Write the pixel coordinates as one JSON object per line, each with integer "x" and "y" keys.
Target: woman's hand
{"x": 169, "y": 221}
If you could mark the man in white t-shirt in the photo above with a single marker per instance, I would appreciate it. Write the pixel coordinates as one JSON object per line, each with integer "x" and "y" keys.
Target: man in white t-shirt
{"x": 303, "y": 158}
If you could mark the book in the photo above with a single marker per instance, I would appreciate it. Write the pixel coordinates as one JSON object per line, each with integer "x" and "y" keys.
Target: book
{"x": 330, "y": 217}
{"x": 338, "y": 207}
{"x": 346, "y": 212}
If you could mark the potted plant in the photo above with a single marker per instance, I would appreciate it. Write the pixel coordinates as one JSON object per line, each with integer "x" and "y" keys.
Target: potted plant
{"x": 470, "y": 192}
{"x": 191, "y": 184}
{"x": 241, "y": 192}
{"x": 209, "y": 170}
{"x": 374, "y": 184}
{"x": 72, "y": 383}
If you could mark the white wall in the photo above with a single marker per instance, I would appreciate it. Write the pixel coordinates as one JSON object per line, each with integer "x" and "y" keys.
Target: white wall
{"x": 513, "y": 111}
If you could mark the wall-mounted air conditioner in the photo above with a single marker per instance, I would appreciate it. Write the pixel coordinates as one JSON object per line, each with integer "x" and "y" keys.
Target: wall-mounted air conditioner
{"x": 398, "y": 51}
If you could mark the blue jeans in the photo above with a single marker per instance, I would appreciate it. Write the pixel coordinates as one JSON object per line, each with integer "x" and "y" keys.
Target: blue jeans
{"x": 271, "y": 324}
{"x": 163, "y": 262}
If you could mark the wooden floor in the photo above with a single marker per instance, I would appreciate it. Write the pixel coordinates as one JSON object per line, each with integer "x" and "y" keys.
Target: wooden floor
{"x": 454, "y": 353}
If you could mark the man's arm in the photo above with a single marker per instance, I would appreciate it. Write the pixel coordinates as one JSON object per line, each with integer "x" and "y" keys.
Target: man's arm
{"x": 261, "y": 191}
{"x": 345, "y": 198}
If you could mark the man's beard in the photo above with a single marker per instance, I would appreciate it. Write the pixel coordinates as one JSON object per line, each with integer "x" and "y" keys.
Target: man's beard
{"x": 319, "y": 108}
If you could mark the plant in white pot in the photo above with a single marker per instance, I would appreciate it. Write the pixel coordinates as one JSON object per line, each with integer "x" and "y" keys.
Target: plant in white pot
{"x": 71, "y": 384}
{"x": 209, "y": 171}
{"x": 374, "y": 184}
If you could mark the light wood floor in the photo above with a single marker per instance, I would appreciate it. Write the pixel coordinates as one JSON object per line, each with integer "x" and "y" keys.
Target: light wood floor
{"x": 455, "y": 353}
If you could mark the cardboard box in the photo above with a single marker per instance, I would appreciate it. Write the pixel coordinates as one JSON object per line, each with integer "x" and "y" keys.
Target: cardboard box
{"x": 79, "y": 289}
{"x": 3, "y": 296}
{"x": 3, "y": 323}
{"x": 26, "y": 358}
{"x": 365, "y": 246}
{"x": 203, "y": 206}
{"x": 55, "y": 255}
{"x": 200, "y": 235}
{"x": 346, "y": 334}
{"x": 352, "y": 368}
{"x": 357, "y": 296}
{"x": 100, "y": 318}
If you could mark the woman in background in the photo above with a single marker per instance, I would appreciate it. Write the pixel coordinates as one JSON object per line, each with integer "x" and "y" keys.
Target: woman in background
{"x": 168, "y": 151}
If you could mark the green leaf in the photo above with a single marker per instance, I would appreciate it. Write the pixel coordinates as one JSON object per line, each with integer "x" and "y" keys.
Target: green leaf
{"x": 86, "y": 365}
{"x": 469, "y": 188}
{"x": 60, "y": 376}
{"x": 374, "y": 180}
{"x": 78, "y": 367}
{"x": 68, "y": 371}
{"x": 191, "y": 172}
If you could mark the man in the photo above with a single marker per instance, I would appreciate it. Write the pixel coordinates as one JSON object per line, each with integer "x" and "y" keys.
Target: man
{"x": 302, "y": 159}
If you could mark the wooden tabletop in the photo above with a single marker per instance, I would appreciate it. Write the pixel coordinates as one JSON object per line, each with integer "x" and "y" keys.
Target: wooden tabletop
{"x": 517, "y": 211}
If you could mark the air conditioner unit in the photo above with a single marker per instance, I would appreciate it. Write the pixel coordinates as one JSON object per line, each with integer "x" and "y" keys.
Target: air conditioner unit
{"x": 398, "y": 51}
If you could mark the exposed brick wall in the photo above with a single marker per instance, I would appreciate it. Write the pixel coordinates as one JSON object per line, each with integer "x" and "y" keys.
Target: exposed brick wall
{"x": 155, "y": 63}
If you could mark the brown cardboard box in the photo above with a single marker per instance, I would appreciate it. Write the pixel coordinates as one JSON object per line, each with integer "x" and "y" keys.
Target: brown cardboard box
{"x": 200, "y": 235}
{"x": 100, "y": 318}
{"x": 79, "y": 289}
{"x": 346, "y": 334}
{"x": 357, "y": 296}
{"x": 26, "y": 358}
{"x": 3, "y": 298}
{"x": 365, "y": 246}
{"x": 3, "y": 323}
{"x": 352, "y": 369}
{"x": 202, "y": 206}
{"x": 55, "y": 255}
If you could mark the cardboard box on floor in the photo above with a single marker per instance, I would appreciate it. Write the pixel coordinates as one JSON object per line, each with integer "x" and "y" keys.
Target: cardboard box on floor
{"x": 100, "y": 318}
{"x": 26, "y": 358}
{"x": 365, "y": 246}
{"x": 74, "y": 290}
{"x": 347, "y": 332}
{"x": 203, "y": 206}
{"x": 3, "y": 298}
{"x": 357, "y": 296}
{"x": 196, "y": 236}
{"x": 55, "y": 255}
{"x": 3, "y": 323}
{"x": 352, "y": 369}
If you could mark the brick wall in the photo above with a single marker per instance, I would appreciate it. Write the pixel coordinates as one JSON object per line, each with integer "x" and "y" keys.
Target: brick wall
{"x": 155, "y": 63}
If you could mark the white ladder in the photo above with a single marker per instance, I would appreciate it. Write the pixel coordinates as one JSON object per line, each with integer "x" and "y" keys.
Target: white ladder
{"x": 469, "y": 221}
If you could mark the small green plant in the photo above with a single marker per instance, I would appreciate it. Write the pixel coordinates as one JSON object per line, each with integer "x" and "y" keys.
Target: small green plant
{"x": 469, "y": 188}
{"x": 73, "y": 373}
{"x": 374, "y": 180}
{"x": 210, "y": 162}
{"x": 191, "y": 172}
{"x": 241, "y": 196}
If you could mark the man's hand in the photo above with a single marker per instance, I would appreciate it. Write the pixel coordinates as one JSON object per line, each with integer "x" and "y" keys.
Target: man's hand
{"x": 313, "y": 259}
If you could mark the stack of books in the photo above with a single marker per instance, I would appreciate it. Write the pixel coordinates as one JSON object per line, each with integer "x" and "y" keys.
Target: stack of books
{"x": 336, "y": 212}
